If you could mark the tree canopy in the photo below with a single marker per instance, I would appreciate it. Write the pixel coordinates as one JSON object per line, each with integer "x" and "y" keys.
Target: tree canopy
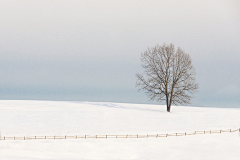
{"x": 168, "y": 75}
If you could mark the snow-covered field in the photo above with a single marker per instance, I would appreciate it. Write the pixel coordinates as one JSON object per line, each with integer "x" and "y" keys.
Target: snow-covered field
{"x": 49, "y": 118}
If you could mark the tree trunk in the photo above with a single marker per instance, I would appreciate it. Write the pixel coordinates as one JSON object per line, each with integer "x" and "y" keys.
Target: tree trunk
{"x": 168, "y": 108}
{"x": 169, "y": 105}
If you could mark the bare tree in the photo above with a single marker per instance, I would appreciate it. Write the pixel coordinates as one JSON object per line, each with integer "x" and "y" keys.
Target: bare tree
{"x": 168, "y": 75}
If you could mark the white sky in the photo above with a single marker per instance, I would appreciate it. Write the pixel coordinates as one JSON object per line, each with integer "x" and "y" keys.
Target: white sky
{"x": 90, "y": 50}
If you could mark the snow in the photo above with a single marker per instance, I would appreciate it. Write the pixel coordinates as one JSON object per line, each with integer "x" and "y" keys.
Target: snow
{"x": 59, "y": 118}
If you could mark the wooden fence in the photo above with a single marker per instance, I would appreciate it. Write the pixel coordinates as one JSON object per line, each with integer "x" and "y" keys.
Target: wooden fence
{"x": 119, "y": 136}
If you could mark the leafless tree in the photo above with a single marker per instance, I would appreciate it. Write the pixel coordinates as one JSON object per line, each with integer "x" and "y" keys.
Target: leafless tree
{"x": 168, "y": 75}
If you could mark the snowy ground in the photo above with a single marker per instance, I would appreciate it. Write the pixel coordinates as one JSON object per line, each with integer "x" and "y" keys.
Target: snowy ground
{"x": 40, "y": 118}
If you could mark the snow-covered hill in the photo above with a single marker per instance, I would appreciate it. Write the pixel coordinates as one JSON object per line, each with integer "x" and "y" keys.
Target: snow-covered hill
{"x": 40, "y": 118}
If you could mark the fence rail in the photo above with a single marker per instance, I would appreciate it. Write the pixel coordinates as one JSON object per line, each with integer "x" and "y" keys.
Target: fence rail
{"x": 119, "y": 136}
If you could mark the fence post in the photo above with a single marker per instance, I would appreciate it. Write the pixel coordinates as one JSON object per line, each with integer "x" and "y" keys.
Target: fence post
{"x": 185, "y": 133}
{"x": 14, "y": 137}
{"x": 220, "y": 131}
{"x": 4, "y": 137}
{"x": 65, "y": 137}
{"x": 35, "y": 137}
{"x": 137, "y": 135}
{"x": 85, "y": 136}
{"x": 210, "y": 131}
{"x": 157, "y": 136}
{"x": 24, "y": 137}
{"x": 45, "y": 137}
{"x": 166, "y": 134}
{"x": 106, "y": 136}
{"x": 230, "y": 130}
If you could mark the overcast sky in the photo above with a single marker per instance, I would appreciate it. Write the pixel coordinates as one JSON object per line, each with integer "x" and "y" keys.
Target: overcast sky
{"x": 90, "y": 50}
